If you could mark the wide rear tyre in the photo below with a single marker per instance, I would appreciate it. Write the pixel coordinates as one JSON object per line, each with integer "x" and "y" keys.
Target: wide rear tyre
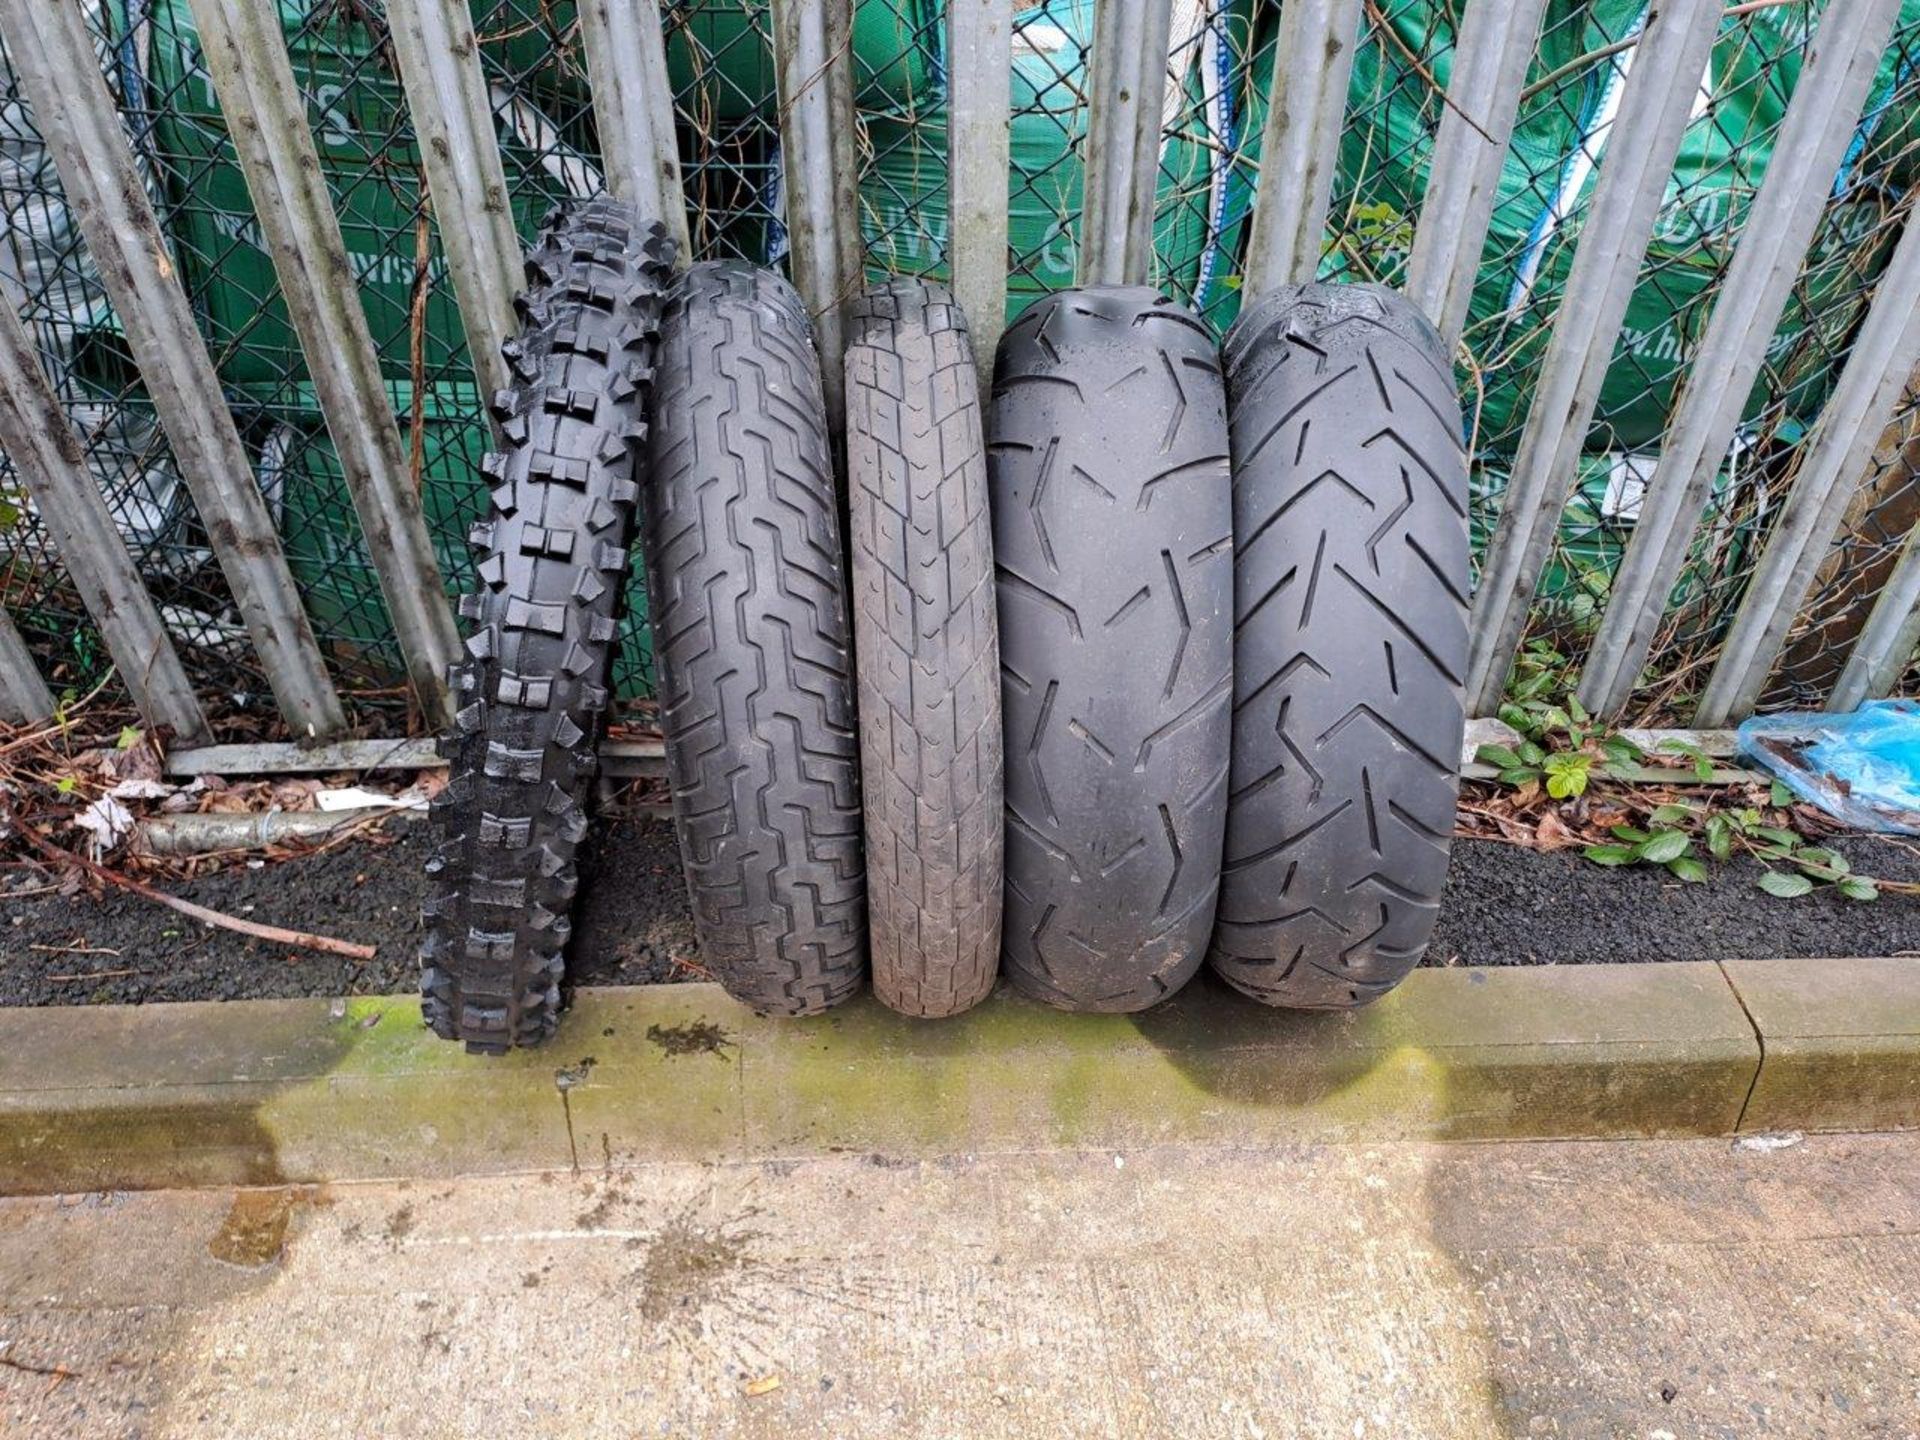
{"x": 1113, "y": 538}
{"x": 929, "y": 659}
{"x": 753, "y": 644}
{"x": 1350, "y": 643}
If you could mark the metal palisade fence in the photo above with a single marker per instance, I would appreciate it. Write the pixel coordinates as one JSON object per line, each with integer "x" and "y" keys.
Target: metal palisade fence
{"x": 258, "y": 256}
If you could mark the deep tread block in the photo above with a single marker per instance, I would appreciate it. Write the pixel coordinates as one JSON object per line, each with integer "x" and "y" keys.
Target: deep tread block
{"x": 553, "y": 556}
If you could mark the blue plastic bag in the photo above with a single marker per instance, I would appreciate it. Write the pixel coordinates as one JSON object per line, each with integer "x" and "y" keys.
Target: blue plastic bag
{"x": 1863, "y": 768}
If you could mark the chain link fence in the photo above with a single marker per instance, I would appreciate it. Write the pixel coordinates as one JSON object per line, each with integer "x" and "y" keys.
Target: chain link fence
{"x": 720, "y": 62}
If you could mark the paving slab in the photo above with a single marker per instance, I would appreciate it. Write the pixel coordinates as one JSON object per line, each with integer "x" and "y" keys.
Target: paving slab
{"x": 307, "y": 1090}
{"x": 1841, "y": 1042}
{"x": 1395, "y": 1291}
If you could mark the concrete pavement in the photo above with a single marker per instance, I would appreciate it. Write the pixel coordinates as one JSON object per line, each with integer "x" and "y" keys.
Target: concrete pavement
{"x": 1630, "y": 1288}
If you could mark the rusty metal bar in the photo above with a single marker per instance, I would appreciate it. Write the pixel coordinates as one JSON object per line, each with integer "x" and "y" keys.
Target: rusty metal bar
{"x": 1837, "y": 454}
{"x": 1642, "y": 144}
{"x": 1821, "y": 118}
{"x": 50, "y": 458}
{"x": 979, "y": 97}
{"x": 54, "y": 58}
{"x": 633, "y": 110}
{"x": 24, "y": 696}
{"x": 1490, "y": 58}
{"x": 813, "y": 56}
{"x": 1126, "y": 82}
{"x": 1300, "y": 142}
{"x": 266, "y": 115}
{"x": 453, "y": 122}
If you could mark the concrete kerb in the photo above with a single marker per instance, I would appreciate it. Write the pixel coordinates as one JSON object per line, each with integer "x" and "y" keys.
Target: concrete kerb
{"x": 317, "y": 1090}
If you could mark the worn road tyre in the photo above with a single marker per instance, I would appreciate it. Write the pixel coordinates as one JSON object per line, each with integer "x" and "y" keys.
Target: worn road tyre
{"x": 532, "y": 694}
{"x": 1113, "y": 542}
{"x": 752, "y": 643}
{"x": 1350, "y": 522}
{"x": 925, "y": 628}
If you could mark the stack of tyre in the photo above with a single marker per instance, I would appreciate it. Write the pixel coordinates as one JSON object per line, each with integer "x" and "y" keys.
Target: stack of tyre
{"x": 1156, "y": 662}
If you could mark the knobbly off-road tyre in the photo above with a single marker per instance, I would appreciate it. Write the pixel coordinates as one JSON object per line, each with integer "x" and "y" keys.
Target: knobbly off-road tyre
{"x": 1350, "y": 527}
{"x": 531, "y": 696}
{"x": 1113, "y": 541}
{"x": 753, "y": 644}
{"x": 928, "y": 659}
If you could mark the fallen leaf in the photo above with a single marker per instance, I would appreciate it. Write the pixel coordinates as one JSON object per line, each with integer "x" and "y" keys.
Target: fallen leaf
{"x": 765, "y": 1385}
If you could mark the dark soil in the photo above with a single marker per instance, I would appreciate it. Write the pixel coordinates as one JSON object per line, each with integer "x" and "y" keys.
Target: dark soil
{"x": 1503, "y": 906}
{"x": 633, "y": 927}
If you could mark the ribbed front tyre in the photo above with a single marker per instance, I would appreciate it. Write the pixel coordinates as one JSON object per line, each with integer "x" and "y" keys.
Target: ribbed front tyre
{"x": 753, "y": 643}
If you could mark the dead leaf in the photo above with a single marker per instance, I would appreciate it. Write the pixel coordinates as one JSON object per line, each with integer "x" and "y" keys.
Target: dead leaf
{"x": 1552, "y": 833}
{"x": 765, "y": 1385}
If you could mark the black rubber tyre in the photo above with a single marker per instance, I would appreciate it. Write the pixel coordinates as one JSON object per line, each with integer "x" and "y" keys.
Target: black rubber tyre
{"x": 553, "y": 563}
{"x": 752, "y": 643}
{"x": 1113, "y": 541}
{"x": 928, "y": 657}
{"x": 1350, "y": 518}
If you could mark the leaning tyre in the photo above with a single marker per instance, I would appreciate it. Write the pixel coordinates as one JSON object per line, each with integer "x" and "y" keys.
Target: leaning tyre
{"x": 928, "y": 657}
{"x": 1112, "y": 530}
{"x": 752, "y": 643}
{"x": 532, "y": 696}
{"x": 1350, "y": 522}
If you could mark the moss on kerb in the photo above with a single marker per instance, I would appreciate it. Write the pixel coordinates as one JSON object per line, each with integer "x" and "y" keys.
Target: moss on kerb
{"x": 276, "y": 1091}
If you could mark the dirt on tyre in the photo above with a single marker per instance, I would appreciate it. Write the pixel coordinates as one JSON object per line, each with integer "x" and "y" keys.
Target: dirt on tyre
{"x": 928, "y": 663}
{"x": 1113, "y": 542}
{"x": 1350, "y": 644}
{"x": 531, "y": 696}
{"x": 753, "y": 644}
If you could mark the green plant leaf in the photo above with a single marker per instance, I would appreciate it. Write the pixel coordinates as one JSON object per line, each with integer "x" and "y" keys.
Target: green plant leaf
{"x": 1778, "y": 837}
{"x": 1664, "y": 845}
{"x": 1671, "y": 814}
{"x": 1858, "y": 887}
{"x": 1531, "y": 753}
{"x": 1621, "y": 749}
{"x": 1719, "y": 837}
{"x": 1567, "y": 775}
{"x": 1630, "y": 832}
{"x": 65, "y": 784}
{"x": 1519, "y": 775}
{"x": 1824, "y": 858}
{"x": 1686, "y": 868}
{"x": 1786, "y": 886}
{"x": 1611, "y": 854}
{"x": 1498, "y": 756}
{"x": 129, "y": 737}
{"x": 1781, "y": 796}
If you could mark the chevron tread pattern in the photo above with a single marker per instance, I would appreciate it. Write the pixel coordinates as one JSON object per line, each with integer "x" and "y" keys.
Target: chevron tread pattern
{"x": 1112, "y": 530}
{"x": 748, "y": 601}
{"x": 928, "y": 654}
{"x": 1350, "y": 644}
{"x": 532, "y": 693}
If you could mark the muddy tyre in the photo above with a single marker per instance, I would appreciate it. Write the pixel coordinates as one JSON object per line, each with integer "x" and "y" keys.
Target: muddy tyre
{"x": 928, "y": 657}
{"x": 1113, "y": 544}
{"x": 1350, "y": 522}
{"x": 531, "y": 697}
{"x": 752, "y": 643}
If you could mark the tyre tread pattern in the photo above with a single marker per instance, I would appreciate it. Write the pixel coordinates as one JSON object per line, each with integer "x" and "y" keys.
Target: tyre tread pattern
{"x": 1113, "y": 546}
{"x": 531, "y": 694}
{"x": 1350, "y": 516}
{"x": 747, "y": 596}
{"x": 925, "y": 631}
